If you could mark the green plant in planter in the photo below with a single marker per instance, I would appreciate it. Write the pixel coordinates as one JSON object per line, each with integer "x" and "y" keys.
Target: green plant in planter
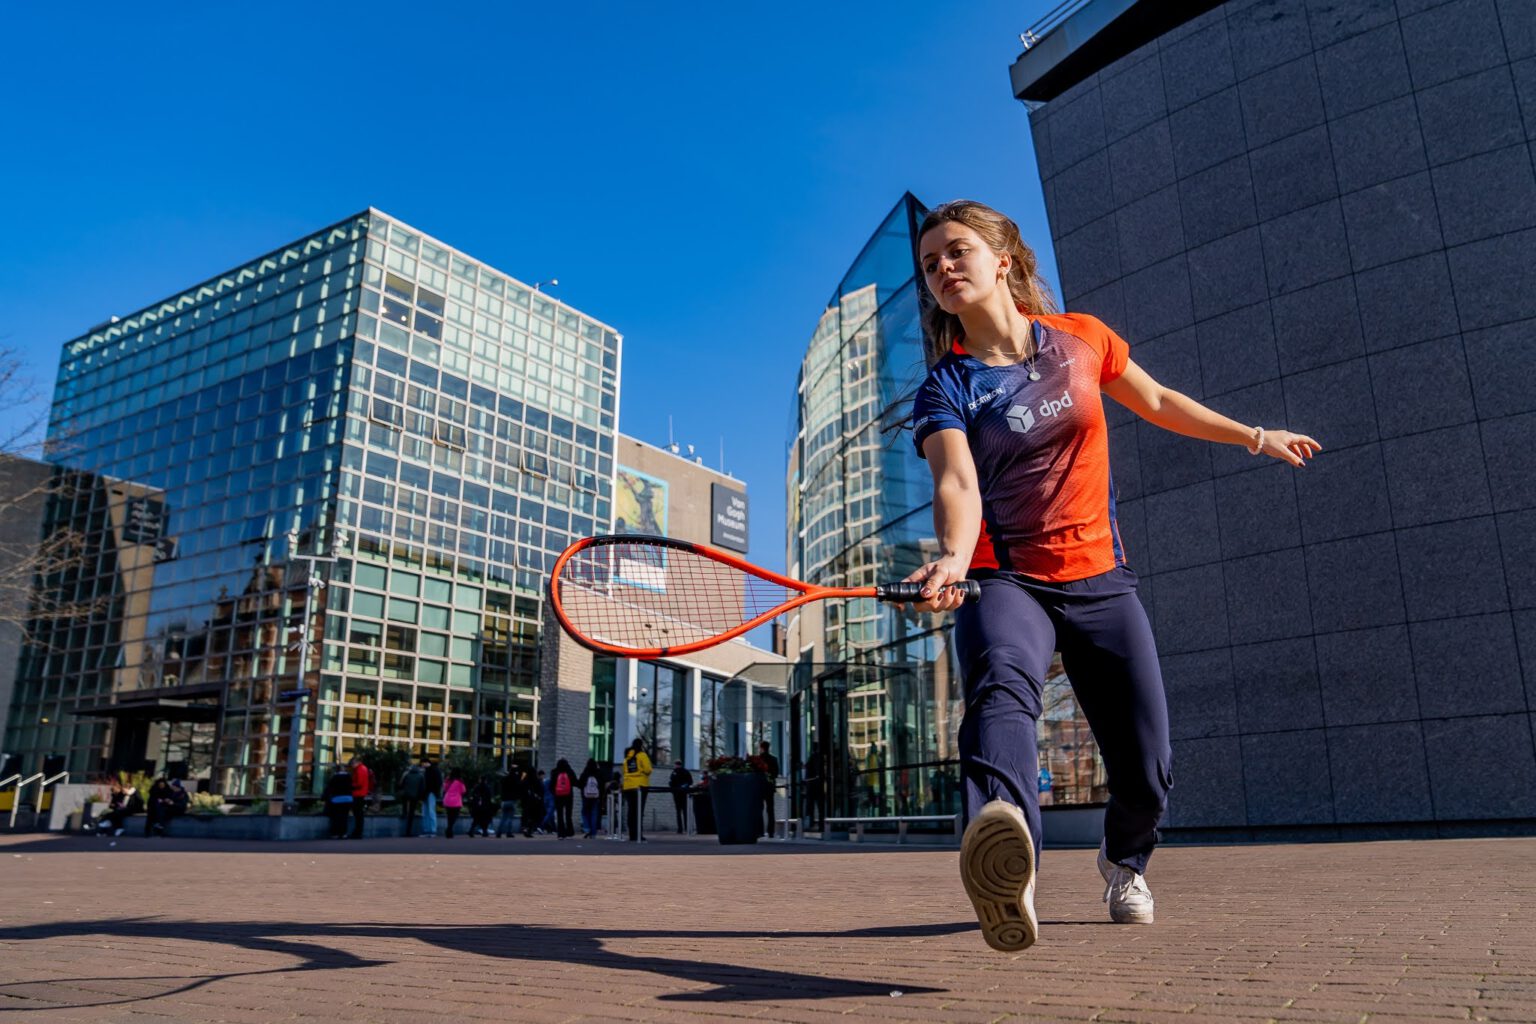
{"x": 206, "y": 803}
{"x": 257, "y": 807}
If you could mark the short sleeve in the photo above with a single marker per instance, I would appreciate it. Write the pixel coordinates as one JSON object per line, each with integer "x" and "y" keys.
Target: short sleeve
{"x": 1114, "y": 353}
{"x": 933, "y": 410}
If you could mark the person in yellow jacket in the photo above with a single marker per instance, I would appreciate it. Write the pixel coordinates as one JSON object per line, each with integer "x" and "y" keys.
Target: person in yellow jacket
{"x": 637, "y": 776}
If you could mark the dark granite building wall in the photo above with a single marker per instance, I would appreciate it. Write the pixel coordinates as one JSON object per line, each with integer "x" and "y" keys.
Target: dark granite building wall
{"x": 1322, "y": 214}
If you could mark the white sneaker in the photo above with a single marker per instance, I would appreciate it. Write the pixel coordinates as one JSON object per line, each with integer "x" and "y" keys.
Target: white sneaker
{"x": 997, "y": 866}
{"x": 1126, "y": 892}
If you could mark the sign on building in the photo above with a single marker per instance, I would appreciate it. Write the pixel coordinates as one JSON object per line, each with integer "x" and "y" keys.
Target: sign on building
{"x": 728, "y": 518}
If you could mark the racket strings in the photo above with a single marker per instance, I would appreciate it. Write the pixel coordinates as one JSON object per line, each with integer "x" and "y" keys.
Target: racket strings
{"x": 641, "y": 596}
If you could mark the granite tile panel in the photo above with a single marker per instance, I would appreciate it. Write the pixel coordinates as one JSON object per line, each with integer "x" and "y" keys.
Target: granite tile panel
{"x": 1281, "y": 101}
{"x": 1525, "y": 639}
{"x": 1151, "y": 230}
{"x": 1227, "y": 274}
{"x": 1266, "y": 34}
{"x": 1141, "y": 163}
{"x": 1134, "y": 98}
{"x": 1077, "y": 129}
{"x": 1452, "y": 569}
{"x": 1355, "y": 583}
{"x": 1517, "y": 545}
{"x": 1089, "y": 257}
{"x": 1363, "y": 71}
{"x": 1467, "y": 666}
{"x": 1452, "y": 744}
{"x": 1181, "y": 528}
{"x": 1237, "y": 349}
{"x": 1392, "y": 221}
{"x": 1469, "y": 116}
{"x": 1208, "y": 783}
{"x": 1131, "y": 518}
{"x": 1257, "y": 511}
{"x": 1436, "y": 476}
{"x": 1421, "y": 387}
{"x": 1524, "y": 73}
{"x": 1379, "y": 773}
{"x": 1519, "y": 28}
{"x": 1277, "y": 685}
{"x": 1454, "y": 40}
{"x": 1492, "y": 280}
{"x": 1207, "y": 133}
{"x": 1490, "y": 194}
{"x": 1081, "y": 194}
{"x": 1377, "y": 144}
{"x": 1343, "y": 493}
{"x": 1317, "y": 326}
{"x": 1173, "y": 360}
{"x": 1217, "y": 202}
{"x": 1157, "y": 300}
{"x": 1170, "y": 460}
{"x": 1286, "y": 778}
{"x": 1197, "y": 65}
{"x": 1367, "y": 676}
{"x": 1406, "y": 302}
{"x": 1262, "y": 403}
{"x": 1305, "y": 248}
{"x": 1108, "y": 304}
{"x": 1294, "y": 173}
{"x": 1201, "y": 698}
{"x": 1125, "y": 462}
{"x": 1511, "y": 459}
{"x": 1191, "y": 610}
{"x": 1267, "y": 597}
{"x": 1333, "y": 401}
{"x": 1334, "y": 20}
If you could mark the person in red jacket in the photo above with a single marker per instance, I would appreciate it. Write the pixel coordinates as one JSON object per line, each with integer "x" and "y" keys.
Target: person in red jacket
{"x": 362, "y": 789}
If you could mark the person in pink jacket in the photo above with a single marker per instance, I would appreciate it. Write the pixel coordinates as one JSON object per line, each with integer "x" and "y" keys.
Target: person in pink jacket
{"x": 453, "y": 798}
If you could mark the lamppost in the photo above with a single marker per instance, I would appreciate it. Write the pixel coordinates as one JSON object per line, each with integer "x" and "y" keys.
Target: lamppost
{"x": 313, "y": 584}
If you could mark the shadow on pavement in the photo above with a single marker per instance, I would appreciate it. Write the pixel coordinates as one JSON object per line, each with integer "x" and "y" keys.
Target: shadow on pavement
{"x": 321, "y": 950}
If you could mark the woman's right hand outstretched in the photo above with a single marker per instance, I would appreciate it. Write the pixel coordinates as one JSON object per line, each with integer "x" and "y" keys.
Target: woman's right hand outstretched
{"x": 935, "y": 576}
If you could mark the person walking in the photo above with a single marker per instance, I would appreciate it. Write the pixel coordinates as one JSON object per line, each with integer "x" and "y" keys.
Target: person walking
{"x": 562, "y": 787}
{"x": 1012, "y": 425}
{"x": 533, "y": 802}
{"x": 362, "y": 789}
{"x": 453, "y": 798}
{"x": 511, "y": 795}
{"x": 337, "y": 797}
{"x": 770, "y": 768}
{"x": 413, "y": 785}
{"x": 637, "y": 776}
{"x": 432, "y": 792}
{"x": 680, "y": 782}
{"x": 590, "y": 782}
{"x": 482, "y": 807}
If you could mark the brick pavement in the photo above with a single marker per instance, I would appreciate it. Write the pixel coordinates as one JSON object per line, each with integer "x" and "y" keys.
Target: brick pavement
{"x": 684, "y": 930}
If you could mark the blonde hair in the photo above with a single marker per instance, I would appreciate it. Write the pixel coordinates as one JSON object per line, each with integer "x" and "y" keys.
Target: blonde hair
{"x": 1028, "y": 288}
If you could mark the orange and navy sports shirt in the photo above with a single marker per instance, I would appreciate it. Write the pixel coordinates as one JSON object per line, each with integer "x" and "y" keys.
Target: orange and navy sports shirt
{"x": 1041, "y": 447}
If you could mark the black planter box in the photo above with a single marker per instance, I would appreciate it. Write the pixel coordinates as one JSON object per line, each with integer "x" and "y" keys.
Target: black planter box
{"x": 738, "y": 804}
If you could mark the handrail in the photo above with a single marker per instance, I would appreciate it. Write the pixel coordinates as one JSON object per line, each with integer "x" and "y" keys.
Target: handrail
{"x": 16, "y": 799}
{"x": 1050, "y": 22}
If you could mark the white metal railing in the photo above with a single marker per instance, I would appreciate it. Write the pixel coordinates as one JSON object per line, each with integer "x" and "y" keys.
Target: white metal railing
{"x": 856, "y": 826}
{"x": 22, "y": 784}
{"x": 1050, "y": 22}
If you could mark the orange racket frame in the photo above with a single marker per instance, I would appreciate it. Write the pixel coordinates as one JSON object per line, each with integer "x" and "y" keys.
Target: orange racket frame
{"x": 808, "y": 592}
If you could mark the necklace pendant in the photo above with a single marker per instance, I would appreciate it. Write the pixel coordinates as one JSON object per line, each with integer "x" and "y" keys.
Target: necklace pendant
{"x": 1034, "y": 374}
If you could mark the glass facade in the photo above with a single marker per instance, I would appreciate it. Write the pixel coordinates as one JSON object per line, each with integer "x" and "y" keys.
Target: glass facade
{"x": 875, "y": 698}
{"x": 365, "y": 434}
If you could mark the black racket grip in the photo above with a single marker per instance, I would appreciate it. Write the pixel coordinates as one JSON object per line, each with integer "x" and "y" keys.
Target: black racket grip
{"x": 910, "y": 593}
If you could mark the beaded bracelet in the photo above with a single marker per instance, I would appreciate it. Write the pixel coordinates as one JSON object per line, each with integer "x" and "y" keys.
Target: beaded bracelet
{"x": 1258, "y": 441}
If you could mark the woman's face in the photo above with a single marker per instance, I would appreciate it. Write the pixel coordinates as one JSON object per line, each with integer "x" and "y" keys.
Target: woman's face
{"x": 959, "y": 268}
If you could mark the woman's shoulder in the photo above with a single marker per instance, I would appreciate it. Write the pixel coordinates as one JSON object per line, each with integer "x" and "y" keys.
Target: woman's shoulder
{"x": 1073, "y": 323}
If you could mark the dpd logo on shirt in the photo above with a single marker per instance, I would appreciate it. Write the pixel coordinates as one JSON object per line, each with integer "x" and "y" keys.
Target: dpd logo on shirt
{"x": 1021, "y": 418}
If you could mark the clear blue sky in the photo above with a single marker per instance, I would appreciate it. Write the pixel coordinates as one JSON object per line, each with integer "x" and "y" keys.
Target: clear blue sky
{"x": 699, "y": 176}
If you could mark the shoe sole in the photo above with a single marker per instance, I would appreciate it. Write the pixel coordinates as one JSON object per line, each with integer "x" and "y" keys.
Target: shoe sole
{"x": 997, "y": 865}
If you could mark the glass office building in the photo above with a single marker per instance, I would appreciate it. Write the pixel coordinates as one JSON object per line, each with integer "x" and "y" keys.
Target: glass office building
{"x": 364, "y": 434}
{"x": 875, "y": 696}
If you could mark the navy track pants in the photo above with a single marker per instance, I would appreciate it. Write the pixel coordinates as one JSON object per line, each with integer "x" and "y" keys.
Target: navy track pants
{"x": 1005, "y": 642}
